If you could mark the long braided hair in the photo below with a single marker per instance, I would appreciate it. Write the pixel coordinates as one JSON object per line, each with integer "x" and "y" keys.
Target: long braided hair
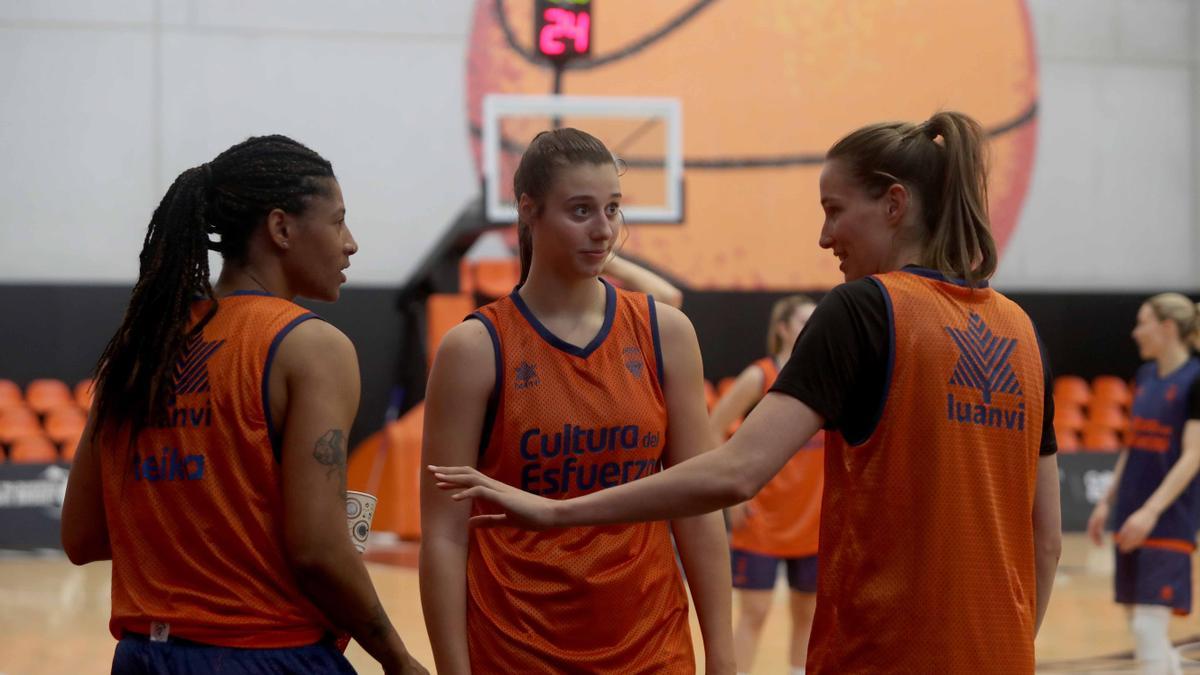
{"x": 227, "y": 197}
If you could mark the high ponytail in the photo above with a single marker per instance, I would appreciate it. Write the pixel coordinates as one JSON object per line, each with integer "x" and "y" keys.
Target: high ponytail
{"x": 226, "y": 198}
{"x": 947, "y": 177}
{"x": 961, "y": 238}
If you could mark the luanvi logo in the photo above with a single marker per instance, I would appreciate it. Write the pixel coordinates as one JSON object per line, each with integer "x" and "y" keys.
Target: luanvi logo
{"x": 191, "y": 371}
{"x": 984, "y": 366}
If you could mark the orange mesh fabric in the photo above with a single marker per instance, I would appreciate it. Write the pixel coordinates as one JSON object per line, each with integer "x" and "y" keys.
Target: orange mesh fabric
{"x": 783, "y": 520}
{"x": 568, "y": 422}
{"x": 194, "y": 507}
{"x": 927, "y": 561}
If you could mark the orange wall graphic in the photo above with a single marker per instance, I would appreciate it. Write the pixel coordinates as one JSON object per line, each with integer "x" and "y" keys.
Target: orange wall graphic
{"x": 767, "y": 86}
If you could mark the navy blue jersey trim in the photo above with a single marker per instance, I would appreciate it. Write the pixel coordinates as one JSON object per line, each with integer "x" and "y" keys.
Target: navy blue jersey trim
{"x": 493, "y": 404}
{"x": 276, "y": 436}
{"x": 658, "y": 360}
{"x": 891, "y": 362}
{"x": 251, "y": 292}
{"x": 610, "y": 311}
{"x": 938, "y": 276}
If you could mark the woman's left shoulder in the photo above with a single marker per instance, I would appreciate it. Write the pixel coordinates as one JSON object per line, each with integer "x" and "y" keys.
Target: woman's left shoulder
{"x": 673, "y": 324}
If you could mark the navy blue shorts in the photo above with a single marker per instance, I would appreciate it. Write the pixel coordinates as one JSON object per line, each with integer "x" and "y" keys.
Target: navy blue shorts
{"x": 756, "y": 572}
{"x": 137, "y": 655}
{"x": 1155, "y": 576}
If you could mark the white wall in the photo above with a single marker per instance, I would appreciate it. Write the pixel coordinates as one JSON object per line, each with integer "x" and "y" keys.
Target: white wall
{"x": 1115, "y": 197}
{"x": 105, "y": 102}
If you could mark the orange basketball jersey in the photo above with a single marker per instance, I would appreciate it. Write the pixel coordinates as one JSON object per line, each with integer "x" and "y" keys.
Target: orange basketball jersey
{"x": 784, "y": 518}
{"x": 565, "y": 421}
{"x": 194, "y": 507}
{"x": 927, "y": 557}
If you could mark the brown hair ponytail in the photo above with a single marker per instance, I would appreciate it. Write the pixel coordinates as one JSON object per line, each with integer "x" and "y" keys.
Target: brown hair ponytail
{"x": 947, "y": 177}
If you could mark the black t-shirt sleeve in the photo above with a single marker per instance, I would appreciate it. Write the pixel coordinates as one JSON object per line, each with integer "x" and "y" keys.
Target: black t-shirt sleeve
{"x": 1049, "y": 439}
{"x": 839, "y": 362}
{"x": 1193, "y": 402}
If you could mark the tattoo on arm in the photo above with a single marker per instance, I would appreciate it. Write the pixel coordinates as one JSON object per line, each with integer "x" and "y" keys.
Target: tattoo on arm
{"x": 330, "y": 450}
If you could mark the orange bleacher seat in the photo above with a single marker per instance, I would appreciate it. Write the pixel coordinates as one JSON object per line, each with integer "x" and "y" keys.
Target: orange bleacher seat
{"x": 1100, "y": 439}
{"x": 17, "y": 422}
{"x": 84, "y": 393}
{"x": 710, "y": 395}
{"x": 33, "y": 449}
{"x": 10, "y": 393}
{"x": 11, "y": 404}
{"x": 1072, "y": 388}
{"x": 1111, "y": 390}
{"x": 44, "y": 394}
{"x": 1068, "y": 441}
{"x": 1107, "y": 416}
{"x": 1068, "y": 417}
{"x": 64, "y": 422}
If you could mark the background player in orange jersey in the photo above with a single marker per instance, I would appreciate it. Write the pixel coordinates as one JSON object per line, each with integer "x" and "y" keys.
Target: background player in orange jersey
{"x": 940, "y": 527}
{"x": 1154, "y": 501}
{"x": 566, "y": 387}
{"x": 213, "y": 471}
{"x": 779, "y": 526}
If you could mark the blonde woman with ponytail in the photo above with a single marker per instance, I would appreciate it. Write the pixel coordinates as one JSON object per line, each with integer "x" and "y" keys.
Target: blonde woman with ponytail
{"x": 1154, "y": 502}
{"x": 940, "y": 526}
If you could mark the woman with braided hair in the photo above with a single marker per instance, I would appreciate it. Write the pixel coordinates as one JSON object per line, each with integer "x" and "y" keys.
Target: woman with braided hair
{"x": 213, "y": 469}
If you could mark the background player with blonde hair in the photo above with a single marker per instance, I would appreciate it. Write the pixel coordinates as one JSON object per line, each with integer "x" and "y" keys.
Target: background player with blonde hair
{"x": 1154, "y": 501}
{"x": 779, "y": 526}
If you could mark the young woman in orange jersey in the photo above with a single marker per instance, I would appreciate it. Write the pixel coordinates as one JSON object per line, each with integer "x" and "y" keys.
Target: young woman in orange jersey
{"x": 1154, "y": 501}
{"x": 566, "y": 387}
{"x": 940, "y": 517}
{"x": 779, "y": 526}
{"x": 213, "y": 471}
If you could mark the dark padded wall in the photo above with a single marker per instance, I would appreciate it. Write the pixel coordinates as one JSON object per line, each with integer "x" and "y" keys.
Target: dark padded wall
{"x": 60, "y": 330}
{"x": 1085, "y": 334}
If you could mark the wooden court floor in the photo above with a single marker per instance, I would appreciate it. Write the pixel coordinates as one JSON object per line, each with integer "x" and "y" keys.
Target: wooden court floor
{"x": 53, "y": 618}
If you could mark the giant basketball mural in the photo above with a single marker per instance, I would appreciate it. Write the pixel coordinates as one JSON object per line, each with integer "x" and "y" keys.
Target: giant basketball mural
{"x": 766, "y": 87}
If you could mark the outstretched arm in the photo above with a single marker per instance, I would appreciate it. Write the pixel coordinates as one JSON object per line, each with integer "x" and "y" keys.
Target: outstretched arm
{"x": 732, "y": 473}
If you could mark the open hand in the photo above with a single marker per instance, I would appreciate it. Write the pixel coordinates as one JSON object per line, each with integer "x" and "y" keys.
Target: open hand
{"x": 1135, "y": 530}
{"x": 521, "y": 508}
